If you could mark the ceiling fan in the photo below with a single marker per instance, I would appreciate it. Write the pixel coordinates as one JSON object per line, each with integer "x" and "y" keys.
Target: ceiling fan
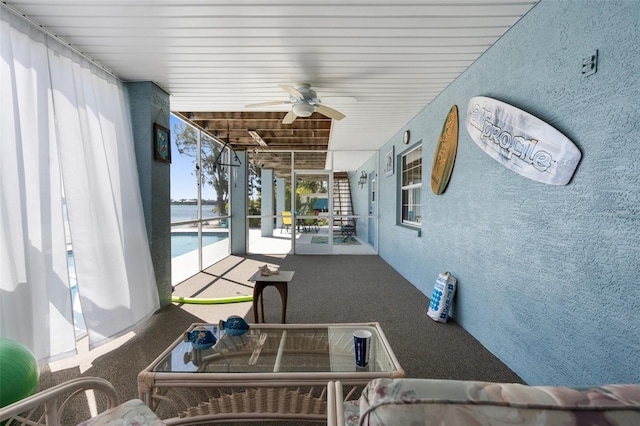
{"x": 305, "y": 102}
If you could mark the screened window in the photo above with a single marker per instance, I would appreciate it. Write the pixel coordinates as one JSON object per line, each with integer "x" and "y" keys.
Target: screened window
{"x": 411, "y": 170}
{"x": 199, "y": 200}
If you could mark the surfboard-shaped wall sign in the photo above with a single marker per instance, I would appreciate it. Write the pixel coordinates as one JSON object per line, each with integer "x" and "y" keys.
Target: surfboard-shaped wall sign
{"x": 521, "y": 142}
{"x": 445, "y": 154}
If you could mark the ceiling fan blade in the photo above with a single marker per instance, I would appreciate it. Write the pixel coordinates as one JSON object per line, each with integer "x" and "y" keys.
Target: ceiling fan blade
{"x": 261, "y": 104}
{"x": 329, "y": 112}
{"x": 292, "y": 91}
{"x": 289, "y": 118}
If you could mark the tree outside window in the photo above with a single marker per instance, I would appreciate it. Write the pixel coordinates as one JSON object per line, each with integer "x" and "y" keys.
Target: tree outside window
{"x": 212, "y": 173}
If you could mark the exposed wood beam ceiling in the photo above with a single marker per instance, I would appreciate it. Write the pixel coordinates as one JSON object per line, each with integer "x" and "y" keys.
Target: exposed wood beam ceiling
{"x": 304, "y": 134}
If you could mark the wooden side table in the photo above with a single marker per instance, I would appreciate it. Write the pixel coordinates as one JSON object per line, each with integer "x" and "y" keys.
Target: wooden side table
{"x": 280, "y": 281}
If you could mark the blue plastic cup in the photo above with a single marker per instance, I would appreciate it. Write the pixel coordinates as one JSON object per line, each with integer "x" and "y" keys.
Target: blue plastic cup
{"x": 362, "y": 346}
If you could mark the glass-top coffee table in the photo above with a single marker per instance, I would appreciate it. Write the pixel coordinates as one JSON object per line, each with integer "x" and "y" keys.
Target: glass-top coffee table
{"x": 274, "y": 371}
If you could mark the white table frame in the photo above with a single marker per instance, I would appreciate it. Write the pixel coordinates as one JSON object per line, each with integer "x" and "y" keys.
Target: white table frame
{"x": 278, "y": 389}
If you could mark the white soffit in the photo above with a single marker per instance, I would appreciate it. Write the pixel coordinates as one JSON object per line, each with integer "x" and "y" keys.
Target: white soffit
{"x": 394, "y": 58}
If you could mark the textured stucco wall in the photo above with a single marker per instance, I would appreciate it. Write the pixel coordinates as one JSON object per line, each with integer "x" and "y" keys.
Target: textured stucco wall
{"x": 361, "y": 199}
{"x": 548, "y": 276}
{"x": 149, "y": 104}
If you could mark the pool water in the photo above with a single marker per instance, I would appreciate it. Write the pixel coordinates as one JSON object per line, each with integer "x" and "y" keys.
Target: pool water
{"x": 78, "y": 319}
{"x": 181, "y": 243}
{"x": 184, "y": 242}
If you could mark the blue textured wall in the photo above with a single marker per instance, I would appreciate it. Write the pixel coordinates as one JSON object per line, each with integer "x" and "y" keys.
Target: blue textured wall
{"x": 549, "y": 277}
{"x": 360, "y": 196}
{"x": 149, "y": 104}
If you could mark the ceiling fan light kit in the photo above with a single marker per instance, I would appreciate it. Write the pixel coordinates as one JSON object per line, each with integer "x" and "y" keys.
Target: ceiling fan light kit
{"x": 304, "y": 101}
{"x": 303, "y": 109}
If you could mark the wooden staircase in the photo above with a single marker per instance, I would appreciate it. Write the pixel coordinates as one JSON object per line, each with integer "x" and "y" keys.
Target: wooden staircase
{"x": 342, "y": 201}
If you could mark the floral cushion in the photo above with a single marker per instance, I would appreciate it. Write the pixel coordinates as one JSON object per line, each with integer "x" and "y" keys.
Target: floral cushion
{"x": 352, "y": 413}
{"x": 130, "y": 413}
{"x": 431, "y": 402}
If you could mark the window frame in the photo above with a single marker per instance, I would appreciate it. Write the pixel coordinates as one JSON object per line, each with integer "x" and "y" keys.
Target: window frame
{"x": 411, "y": 187}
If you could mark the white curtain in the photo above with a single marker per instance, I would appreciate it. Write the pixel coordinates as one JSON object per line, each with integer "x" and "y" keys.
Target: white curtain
{"x": 65, "y": 125}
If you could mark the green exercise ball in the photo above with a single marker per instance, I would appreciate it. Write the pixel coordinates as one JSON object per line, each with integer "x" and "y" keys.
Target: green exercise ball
{"x": 19, "y": 372}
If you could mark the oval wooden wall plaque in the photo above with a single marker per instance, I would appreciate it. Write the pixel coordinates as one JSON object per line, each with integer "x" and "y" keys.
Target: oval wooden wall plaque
{"x": 445, "y": 154}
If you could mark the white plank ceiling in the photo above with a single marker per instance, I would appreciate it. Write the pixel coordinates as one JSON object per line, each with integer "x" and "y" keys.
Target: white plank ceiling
{"x": 392, "y": 57}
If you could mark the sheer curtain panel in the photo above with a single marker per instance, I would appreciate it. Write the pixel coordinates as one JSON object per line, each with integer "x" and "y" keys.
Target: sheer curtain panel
{"x": 35, "y": 301}
{"x": 81, "y": 142}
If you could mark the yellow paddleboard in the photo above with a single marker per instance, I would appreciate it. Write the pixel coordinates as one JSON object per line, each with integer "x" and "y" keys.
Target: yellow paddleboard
{"x": 445, "y": 154}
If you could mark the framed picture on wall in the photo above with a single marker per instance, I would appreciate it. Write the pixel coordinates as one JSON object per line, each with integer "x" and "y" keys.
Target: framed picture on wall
{"x": 161, "y": 143}
{"x": 388, "y": 162}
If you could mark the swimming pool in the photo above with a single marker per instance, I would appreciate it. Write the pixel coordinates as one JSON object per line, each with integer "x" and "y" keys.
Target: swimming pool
{"x": 181, "y": 243}
{"x": 184, "y": 242}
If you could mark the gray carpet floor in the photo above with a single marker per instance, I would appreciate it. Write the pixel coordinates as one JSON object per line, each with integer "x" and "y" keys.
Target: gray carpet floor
{"x": 325, "y": 289}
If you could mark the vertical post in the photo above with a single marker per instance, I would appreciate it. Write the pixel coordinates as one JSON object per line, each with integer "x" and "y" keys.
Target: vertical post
{"x": 280, "y": 199}
{"x": 238, "y": 197}
{"x": 266, "y": 225}
{"x": 149, "y": 104}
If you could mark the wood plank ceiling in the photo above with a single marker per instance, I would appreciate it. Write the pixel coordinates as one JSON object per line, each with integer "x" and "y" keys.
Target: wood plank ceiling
{"x": 269, "y": 135}
{"x": 378, "y": 62}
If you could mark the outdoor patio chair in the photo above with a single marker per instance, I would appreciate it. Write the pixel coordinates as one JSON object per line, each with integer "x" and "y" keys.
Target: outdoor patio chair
{"x": 348, "y": 229}
{"x": 286, "y": 221}
{"x": 405, "y": 401}
{"x": 47, "y": 407}
{"x": 311, "y": 224}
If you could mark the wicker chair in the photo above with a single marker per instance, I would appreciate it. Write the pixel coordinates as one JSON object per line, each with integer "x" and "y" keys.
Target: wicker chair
{"x": 59, "y": 404}
{"x": 47, "y": 408}
{"x": 434, "y": 402}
